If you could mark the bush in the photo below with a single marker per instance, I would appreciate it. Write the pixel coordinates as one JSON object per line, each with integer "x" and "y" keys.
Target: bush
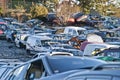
{"x": 38, "y": 11}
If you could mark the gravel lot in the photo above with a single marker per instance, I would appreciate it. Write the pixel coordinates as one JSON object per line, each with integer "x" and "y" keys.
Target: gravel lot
{"x": 9, "y": 51}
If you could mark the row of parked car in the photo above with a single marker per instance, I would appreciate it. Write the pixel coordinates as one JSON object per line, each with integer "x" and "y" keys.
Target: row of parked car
{"x": 55, "y": 56}
{"x": 60, "y": 68}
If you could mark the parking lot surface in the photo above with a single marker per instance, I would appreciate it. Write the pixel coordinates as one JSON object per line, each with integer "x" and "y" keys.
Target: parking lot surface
{"x": 9, "y": 51}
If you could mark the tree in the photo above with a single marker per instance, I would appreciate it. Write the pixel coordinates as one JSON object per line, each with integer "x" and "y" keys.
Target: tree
{"x": 65, "y": 10}
{"x": 19, "y": 11}
{"x": 1, "y": 11}
{"x": 38, "y": 11}
{"x": 49, "y": 4}
{"x": 101, "y": 6}
{"x": 86, "y": 5}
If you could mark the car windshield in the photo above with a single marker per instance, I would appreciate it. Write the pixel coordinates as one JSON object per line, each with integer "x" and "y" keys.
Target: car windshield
{"x": 80, "y": 32}
{"x": 61, "y": 64}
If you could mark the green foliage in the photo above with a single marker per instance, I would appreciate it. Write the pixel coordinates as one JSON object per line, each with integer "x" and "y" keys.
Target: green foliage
{"x": 0, "y": 10}
{"x": 49, "y": 4}
{"x": 20, "y": 7}
{"x": 97, "y": 5}
{"x": 86, "y": 5}
{"x": 38, "y": 11}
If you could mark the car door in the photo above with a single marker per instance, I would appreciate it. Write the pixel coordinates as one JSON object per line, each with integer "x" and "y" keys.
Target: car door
{"x": 18, "y": 73}
{"x": 33, "y": 70}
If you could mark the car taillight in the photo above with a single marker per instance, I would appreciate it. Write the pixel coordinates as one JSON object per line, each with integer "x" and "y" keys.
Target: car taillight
{"x": 1, "y": 32}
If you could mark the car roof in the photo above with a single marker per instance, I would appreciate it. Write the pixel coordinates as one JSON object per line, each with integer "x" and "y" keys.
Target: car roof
{"x": 61, "y": 53}
{"x": 76, "y": 28}
{"x": 41, "y": 37}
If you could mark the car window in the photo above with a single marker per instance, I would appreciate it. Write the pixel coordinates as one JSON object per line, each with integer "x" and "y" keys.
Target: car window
{"x": 80, "y": 32}
{"x": 70, "y": 31}
{"x": 31, "y": 71}
{"x": 70, "y": 64}
{"x": 36, "y": 70}
{"x": 74, "y": 32}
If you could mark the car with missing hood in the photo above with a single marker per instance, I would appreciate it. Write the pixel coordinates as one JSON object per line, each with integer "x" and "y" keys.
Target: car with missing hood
{"x": 36, "y": 43}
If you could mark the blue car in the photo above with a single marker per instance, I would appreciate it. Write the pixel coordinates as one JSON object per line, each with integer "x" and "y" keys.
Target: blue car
{"x": 45, "y": 66}
{"x": 102, "y": 72}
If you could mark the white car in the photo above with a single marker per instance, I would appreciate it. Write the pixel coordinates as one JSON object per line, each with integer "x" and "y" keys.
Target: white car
{"x": 21, "y": 37}
{"x": 53, "y": 54}
{"x": 90, "y": 48}
{"x": 37, "y": 44}
{"x": 75, "y": 31}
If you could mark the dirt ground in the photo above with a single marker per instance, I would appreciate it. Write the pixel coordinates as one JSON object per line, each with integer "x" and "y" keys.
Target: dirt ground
{"x": 8, "y": 50}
